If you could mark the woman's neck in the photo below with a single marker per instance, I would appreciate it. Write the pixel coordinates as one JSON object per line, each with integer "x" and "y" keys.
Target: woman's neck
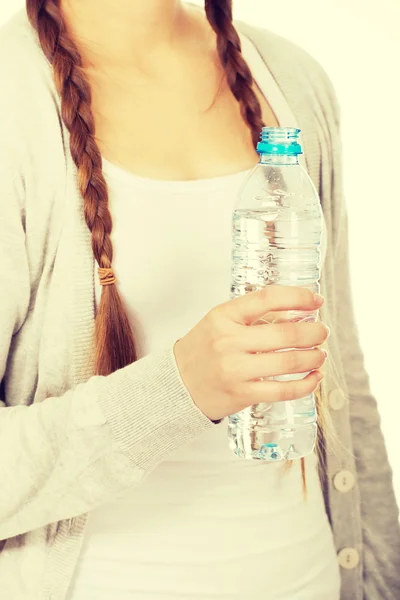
{"x": 125, "y": 31}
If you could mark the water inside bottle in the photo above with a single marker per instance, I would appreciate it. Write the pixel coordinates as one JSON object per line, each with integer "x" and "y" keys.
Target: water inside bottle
{"x": 276, "y": 245}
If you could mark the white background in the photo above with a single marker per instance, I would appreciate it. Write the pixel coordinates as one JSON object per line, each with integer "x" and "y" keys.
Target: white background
{"x": 358, "y": 43}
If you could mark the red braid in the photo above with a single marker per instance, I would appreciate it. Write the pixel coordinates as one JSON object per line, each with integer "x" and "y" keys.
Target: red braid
{"x": 238, "y": 74}
{"x": 115, "y": 346}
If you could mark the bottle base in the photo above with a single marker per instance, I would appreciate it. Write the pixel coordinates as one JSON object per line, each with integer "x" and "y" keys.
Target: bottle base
{"x": 273, "y": 444}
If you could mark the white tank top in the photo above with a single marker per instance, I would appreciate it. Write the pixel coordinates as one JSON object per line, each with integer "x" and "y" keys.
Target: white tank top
{"x": 204, "y": 525}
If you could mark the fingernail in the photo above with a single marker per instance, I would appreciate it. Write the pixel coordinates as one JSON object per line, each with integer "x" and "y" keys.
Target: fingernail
{"x": 318, "y": 298}
{"x": 325, "y": 352}
{"x": 320, "y": 376}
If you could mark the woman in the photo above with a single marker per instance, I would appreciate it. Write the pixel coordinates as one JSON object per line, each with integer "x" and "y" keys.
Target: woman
{"x": 116, "y": 477}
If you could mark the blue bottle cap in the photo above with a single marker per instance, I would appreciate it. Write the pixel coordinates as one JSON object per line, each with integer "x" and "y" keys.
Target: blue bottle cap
{"x": 281, "y": 141}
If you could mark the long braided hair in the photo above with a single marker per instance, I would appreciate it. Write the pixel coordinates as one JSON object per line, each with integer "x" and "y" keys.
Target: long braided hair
{"x": 115, "y": 345}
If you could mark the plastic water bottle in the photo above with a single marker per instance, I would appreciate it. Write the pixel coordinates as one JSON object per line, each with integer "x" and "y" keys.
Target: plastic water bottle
{"x": 276, "y": 239}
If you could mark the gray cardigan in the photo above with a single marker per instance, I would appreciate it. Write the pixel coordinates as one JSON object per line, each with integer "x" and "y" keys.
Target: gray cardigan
{"x": 70, "y": 441}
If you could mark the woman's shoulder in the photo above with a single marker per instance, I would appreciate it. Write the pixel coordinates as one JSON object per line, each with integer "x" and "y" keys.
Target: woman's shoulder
{"x": 30, "y": 129}
{"x": 20, "y": 51}
{"x": 292, "y": 66}
{"x": 27, "y": 83}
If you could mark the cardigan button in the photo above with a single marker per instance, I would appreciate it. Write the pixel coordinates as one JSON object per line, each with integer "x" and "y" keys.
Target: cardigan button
{"x": 336, "y": 399}
{"x": 348, "y": 558}
{"x": 344, "y": 481}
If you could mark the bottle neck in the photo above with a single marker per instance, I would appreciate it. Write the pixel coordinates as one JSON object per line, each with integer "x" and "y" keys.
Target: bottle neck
{"x": 279, "y": 159}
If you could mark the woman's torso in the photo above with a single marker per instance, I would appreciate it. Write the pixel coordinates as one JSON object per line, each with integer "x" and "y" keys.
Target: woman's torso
{"x": 204, "y": 524}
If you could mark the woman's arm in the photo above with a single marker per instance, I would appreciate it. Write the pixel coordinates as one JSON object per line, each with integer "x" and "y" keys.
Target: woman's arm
{"x": 66, "y": 455}
{"x": 379, "y": 512}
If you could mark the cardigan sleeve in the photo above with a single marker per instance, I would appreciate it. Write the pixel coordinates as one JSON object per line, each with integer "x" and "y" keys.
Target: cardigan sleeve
{"x": 64, "y": 456}
{"x": 379, "y": 512}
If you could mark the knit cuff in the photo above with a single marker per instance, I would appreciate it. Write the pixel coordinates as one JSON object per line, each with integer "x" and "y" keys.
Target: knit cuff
{"x": 149, "y": 409}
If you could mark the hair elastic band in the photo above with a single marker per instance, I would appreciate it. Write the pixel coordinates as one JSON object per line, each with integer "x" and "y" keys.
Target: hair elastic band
{"x": 106, "y": 276}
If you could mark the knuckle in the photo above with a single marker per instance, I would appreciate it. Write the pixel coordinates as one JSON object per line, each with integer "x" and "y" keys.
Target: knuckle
{"x": 291, "y": 362}
{"x": 220, "y": 345}
{"x": 227, "y": 371}
{"x": 214, "y": 322}
{"x": 213, "y": 317}
{"x": 294, "y": 335}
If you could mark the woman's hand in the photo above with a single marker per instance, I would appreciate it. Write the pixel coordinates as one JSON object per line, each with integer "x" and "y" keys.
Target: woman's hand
{"x": 218, "y": 359}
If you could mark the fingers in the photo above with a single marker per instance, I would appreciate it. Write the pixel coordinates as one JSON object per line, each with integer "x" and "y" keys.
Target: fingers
{"x": 254, "y": 366}
{"x": 267, "y": 338}
{"x": 258, "y": 392}
{"x": 252, "y": 306}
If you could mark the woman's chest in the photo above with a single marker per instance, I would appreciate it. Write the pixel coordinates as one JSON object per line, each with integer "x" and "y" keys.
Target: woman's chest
{"x": 190, "y": 131}
{"x": 172, "y": 252}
